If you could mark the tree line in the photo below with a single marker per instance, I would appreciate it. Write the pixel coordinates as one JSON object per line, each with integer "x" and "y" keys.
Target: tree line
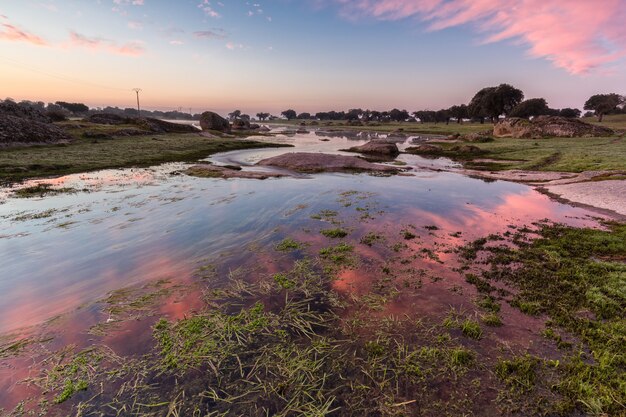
{"x": 489, "y": 103}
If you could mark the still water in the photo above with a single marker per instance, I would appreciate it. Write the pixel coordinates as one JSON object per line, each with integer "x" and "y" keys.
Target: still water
{"x": 129, "y": 226}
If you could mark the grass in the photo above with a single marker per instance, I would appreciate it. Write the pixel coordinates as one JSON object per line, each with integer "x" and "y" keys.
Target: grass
{"x": 288, "y": 245}
{"x": 41, "y": 190}
{"x": 86, "y": 155}
{"x": 577, "y": 277}
{"x": 335, "y": 233}
{"x": 548, "y": 154}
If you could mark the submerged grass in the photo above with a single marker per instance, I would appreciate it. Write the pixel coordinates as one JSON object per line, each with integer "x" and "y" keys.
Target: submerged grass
{"x": 577, "y": 277}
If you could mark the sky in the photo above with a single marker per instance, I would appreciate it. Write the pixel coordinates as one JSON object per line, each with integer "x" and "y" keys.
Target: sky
{"x": 308, "y": 55}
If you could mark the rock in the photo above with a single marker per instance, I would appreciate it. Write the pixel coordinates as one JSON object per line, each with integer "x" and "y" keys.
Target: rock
{"x": 302, "y": 131}
{"x": 255, "y": 126}
{"x": 320, "y": 162}
{"x": 214, "y": 171}
{"x": 467, "y": 149}
{"x": 377, "y": 148}
{"x": 547, "y": 126}
{"x": 10, "y": 108}
{"x": 213, "y": 121}
{"x": 264, "y": 129}
{"x": 108, "y": 119}
{"x": 161, "y": 126}
{"x": 18, "y": 131}
{"x": 425, "y": 149}
{"x": 240, "y": 124}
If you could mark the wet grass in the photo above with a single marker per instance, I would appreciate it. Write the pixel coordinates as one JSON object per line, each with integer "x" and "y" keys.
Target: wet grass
{"x": 87, "y": 155}
{"x": 41, "y": 190}
{"x": 288, "y": 244}
{"x": 577, "y": 278}
{"x": 335, "y": 233}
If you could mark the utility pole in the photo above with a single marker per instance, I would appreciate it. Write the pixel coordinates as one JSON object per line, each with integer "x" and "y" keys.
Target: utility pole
{"x": 138, "y": 90}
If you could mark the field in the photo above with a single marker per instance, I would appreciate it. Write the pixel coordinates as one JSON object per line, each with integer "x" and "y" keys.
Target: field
{"x": 114, "y": 152}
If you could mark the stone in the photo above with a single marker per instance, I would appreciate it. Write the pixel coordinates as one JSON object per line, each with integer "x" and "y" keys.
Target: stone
{"x": 548, "y": 126}
{"x": 213, "y": 121}
{"x": 320, "y": 162}
{"x": 377, "y": 148}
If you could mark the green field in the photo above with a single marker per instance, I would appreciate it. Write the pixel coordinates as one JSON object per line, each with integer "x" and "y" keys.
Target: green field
{"x": 92, "y": 154}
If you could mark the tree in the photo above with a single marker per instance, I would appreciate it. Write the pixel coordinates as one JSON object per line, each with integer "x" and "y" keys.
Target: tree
{"x": 495, "y": 101}
{"x": 569, "y": 113}
{"x": 602, "y": 104}
{"x": 458, "y": 112}
{"x": 234, "y": 115}
{"x": 531, "y": 108}
{"x": 354, "y": 114}
{"x": 262, "y": 116}
{"x": 425, "y": 116}
{"x": 289, "y": 114}
{"x": 77, "y": 108}
{"x": 442, "y": 116}
{"x": 304, "y": 116}
{"x": 398, "y": 115}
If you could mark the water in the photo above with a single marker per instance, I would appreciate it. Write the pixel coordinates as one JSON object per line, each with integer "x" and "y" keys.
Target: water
{"x": 138, "y": 225}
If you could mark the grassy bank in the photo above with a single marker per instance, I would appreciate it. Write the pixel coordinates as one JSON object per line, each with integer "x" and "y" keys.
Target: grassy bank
{"x": 92, "y": 154}
{"x": 550, "y": 154}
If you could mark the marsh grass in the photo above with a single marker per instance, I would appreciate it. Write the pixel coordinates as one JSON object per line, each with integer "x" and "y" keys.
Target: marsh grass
{"x": 577, "y": 277}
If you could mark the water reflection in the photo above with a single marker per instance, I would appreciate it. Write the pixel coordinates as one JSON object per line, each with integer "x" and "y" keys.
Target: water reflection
{"x": 139, "y": 225}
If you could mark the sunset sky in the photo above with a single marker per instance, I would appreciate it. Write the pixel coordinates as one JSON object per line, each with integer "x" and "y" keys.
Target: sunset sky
{"x": 310, "y": 55}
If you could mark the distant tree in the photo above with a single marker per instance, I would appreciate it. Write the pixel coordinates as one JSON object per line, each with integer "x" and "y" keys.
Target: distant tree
{"x": 458, "y": 112}
{"x": 245, "y": 117}
{"x": 77, "y": 108}
{"x": 569, "y": 113}
{"x": 129, "y": 111}
{"x": 234, "y": 115}
{"x": 262, "y": 116}
{"x": 602, "y": 104}
{"x": 531, "y": 108}
{"x": 495, "y": 101}
{"x": 304, "y": 116}
{"x": 289, "y": 114}
{"x": 425, "y": 116}
{"x": 398, "y": 115}
{"x": 354, "y": 114}
{"x": 442, "y": 116}
{"x": 589, "y": 114}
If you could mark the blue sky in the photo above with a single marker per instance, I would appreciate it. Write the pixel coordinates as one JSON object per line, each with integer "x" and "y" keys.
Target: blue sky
{"x": 310, "y": 55}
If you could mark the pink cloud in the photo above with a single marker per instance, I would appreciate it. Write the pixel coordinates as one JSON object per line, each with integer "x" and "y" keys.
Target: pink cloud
{"x": 10, "y": 32}
{"x": 96, "y": 44}
{"x": 577, "y": 35}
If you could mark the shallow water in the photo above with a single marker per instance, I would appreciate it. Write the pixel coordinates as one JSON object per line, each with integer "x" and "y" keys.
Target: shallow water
{"x": 137, "y": 225}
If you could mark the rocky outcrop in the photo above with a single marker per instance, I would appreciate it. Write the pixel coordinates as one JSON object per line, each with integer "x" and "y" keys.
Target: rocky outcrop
{"x": 377, "y": 148}
{"x": 10, "y": 108}
{"x": 108, "y": 119}
{"x": 241, "y": 124}
{"x": 425, "y": 149}
{"x": 547, "y": 126}
{"x": 213, "y": 121}
{"x": 215, "y": 171}
{"x": 320, "y": 162}
{"x": 24, "y": 125}
{"x": 149, "y": 124}
{"x": 17, "y": 131}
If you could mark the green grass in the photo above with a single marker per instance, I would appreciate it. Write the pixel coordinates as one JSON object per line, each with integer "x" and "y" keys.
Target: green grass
{"x": 288, "y": 244}
{"x": 577, "y": 277}
{"x": 548, "y": 154}
{"x": 86, "y": 155}
{"x": 336, "y": 233}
